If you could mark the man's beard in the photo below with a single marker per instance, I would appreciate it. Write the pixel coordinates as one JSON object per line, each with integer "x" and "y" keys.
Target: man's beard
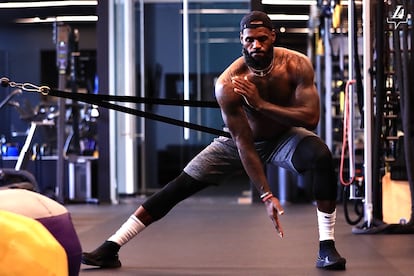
{"x": 260, "y": 63}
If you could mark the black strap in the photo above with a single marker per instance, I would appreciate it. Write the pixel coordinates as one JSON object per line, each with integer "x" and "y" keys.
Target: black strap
{"x": 103, "y": 101}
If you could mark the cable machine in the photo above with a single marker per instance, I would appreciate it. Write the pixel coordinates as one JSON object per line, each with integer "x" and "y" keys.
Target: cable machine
{"x": 385, "y": 110}
{"x": 68, "y": 145}
{"x": 343, "y": 97}
{"x": 380, "y": 92}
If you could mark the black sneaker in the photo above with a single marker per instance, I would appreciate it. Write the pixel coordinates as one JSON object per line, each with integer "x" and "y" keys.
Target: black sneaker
{"x": 329, "y": 258}
{"x": 105, "y": 256}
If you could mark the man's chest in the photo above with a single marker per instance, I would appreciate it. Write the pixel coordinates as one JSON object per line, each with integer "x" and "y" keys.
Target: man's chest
{"x": 276, "y": 89}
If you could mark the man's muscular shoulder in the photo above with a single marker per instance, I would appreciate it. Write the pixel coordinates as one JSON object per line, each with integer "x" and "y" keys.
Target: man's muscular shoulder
{"x": 290, "y": 57}
{"x": 288, "y": 53}
{"x": 297, "y": 65}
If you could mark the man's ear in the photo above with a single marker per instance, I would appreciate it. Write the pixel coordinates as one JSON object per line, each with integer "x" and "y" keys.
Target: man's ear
{"x": 273, "y": 36}
{"x": 241, "y": 37}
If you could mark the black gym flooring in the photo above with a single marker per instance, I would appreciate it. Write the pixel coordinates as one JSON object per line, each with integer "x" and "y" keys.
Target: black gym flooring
{"x": 215, "y": 235}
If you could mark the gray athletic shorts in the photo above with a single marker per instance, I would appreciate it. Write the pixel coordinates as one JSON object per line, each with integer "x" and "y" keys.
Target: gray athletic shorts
{"x": 221, "y": 158}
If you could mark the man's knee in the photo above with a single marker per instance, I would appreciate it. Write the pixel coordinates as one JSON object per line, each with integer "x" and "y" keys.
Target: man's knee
{"x": 312, "y": 153}
{"x": 323, "y": 158}
{"x": 313, "y": 159}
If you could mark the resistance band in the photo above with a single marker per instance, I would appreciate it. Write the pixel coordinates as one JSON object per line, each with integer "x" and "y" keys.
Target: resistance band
{"x": 105, "y": 101}
{"x": 345, "y": 141}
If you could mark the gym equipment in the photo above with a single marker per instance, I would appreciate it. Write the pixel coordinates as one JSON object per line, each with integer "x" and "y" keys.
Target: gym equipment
{"x": 17, "y": 177}
{"x": 106, "y": 102}
{"x": 12, "y": 178}
{"x": 382, "y": 89}
{"x": 393, "y": 79}
{"x": 52, "y": 215}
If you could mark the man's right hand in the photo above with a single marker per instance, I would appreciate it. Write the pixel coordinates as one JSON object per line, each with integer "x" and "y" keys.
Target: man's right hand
{"x": 274, "y": 209}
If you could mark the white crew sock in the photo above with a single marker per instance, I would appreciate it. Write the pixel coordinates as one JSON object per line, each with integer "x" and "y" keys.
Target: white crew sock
{"x": 127, "y": 231}
{"x": 326, "y": 223}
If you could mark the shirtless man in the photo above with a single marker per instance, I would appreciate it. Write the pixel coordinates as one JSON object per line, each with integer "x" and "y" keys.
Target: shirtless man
{"x": 270, "y": 104}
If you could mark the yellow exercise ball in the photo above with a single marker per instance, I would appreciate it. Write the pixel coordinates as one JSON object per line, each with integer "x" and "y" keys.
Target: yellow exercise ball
{"x": 52, "y": 215}
{"x": 28, "y": 248}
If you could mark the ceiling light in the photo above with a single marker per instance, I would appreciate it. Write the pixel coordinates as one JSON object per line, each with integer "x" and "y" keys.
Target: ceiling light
{"x": 44, "y": 4}
{"x": 82, "y": 18}
{"x": 289, "y": 17}
{"x": 289, "y": 2}
{"x": 217, "y": 11}
{"x": 300, "y": 2}
{"x": 297, "y": 30}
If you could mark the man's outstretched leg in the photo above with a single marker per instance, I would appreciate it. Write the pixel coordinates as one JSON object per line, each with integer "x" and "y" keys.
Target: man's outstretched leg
{"x": 156, "y": 207}
{"x": 106, "y": 255}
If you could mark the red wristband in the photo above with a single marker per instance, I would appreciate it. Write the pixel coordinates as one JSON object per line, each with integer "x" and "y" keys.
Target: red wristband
{"x": 267, "y": 197}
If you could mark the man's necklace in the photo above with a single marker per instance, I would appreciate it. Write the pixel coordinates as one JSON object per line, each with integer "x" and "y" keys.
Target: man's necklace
{"x": 262, "y": 72}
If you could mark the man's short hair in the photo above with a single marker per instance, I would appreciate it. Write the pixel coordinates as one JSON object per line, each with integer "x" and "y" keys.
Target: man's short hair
{"x": 256, "y": 19}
